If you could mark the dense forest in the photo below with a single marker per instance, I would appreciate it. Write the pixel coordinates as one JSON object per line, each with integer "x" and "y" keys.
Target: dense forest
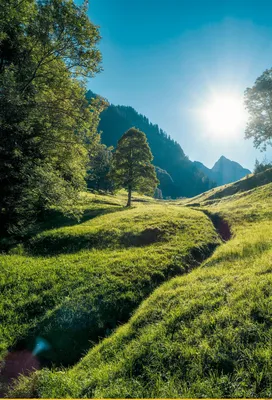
{"x": 178, "y": 175}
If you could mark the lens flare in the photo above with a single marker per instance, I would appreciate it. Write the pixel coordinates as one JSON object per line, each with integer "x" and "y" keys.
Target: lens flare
{"x": 40, "y": 345}
{"x": 224, "y": 115}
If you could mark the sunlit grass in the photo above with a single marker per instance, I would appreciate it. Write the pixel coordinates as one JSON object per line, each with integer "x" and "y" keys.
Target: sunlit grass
{"x": 74, "y": 284}
{"x": 207, "y": 333}
{"x": 204, "y": 334}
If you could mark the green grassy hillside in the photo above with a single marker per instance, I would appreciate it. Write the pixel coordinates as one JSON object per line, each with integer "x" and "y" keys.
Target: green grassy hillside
{"x": 207, "y": 333}
{"x": 73, "y": 285}
{"x": 230, "y": 189}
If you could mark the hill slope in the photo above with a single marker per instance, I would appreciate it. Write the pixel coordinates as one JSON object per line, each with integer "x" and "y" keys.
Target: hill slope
{"x": 205, "y": 334}
{"x": 246, "y": 184}
{"x": 187, "y": 179}
{"x": 72, "y": 285}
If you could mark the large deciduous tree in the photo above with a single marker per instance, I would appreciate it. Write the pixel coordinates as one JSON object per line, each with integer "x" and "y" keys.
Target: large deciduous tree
{"x": 47, "y": 49}
{"x": 131, "y": 164}
{"x": 258, "y": 101}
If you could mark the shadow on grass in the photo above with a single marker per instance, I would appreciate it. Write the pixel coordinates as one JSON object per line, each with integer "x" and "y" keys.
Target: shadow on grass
{"x": 57, "y": 220}
{"x": 54, "y": 220}
{"x": 71, "y": 243}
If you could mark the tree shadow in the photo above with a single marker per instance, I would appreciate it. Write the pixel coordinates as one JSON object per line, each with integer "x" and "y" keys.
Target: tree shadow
{"x": 52, "y": 245}
{"x": 52, "y": 220}
{"x": 56, "y": 219}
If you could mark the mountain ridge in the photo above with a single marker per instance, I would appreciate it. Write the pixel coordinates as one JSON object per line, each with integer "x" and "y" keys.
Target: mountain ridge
{"x": 179, "y": 176}
{"x": 224, "y": 171}
{"x": 185, "y": 179}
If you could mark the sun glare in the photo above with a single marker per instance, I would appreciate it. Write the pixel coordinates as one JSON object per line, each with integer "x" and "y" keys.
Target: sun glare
{"x": 224, "y": 115}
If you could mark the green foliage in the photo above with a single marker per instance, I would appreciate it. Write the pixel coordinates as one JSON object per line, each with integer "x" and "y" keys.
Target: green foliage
{"x": 131, "y": 164}
{"x": 99, "y": 168}
{"x": 263, "y": 166}
{"x": 258, "y": 101}
{"x": 45, "y": 119}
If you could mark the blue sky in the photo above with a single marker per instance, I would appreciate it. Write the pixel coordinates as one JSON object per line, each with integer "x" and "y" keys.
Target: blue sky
{"x": 166, "y": 57}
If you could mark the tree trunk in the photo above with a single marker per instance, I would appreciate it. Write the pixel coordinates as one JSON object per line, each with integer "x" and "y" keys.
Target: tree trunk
{"x": 129, "y": 196}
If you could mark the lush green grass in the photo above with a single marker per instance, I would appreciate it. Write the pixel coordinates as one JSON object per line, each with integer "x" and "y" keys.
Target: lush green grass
{"x": 74, "y": 284}
{"x": 244, "y": 185}
{"x": 205, "y": 334}
{"x": 90, "y": 205}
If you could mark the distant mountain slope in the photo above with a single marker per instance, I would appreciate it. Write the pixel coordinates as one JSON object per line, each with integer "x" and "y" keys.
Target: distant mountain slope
{"x": 224, "y": 171}
{"x": 187, "y": 179}
{"x": 227, "y": 171}
{"x": 207, "y": 171}
{"x": 243, "y": 185}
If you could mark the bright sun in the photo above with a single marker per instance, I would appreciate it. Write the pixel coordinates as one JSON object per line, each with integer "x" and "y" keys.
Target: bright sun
{"x": 224, "y": 115}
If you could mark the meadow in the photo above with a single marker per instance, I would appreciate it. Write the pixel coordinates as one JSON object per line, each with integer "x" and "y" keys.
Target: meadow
{"x": 74, "y": 285}
{"x": 113, "y": 294}
{"x": 160, "y": 305}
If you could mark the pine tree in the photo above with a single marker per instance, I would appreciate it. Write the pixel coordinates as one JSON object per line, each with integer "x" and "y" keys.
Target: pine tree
{"x": 131, "y": 164}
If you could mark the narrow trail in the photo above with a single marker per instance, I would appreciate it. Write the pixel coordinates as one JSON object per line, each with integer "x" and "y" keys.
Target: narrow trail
{"x": 21, "y": 361}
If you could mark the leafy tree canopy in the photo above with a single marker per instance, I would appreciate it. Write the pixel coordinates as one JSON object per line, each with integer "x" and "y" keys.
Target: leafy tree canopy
{"x": 47, "y": 129}
{"x": 131, "y": 164}
{"x": 258, "y": 101}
